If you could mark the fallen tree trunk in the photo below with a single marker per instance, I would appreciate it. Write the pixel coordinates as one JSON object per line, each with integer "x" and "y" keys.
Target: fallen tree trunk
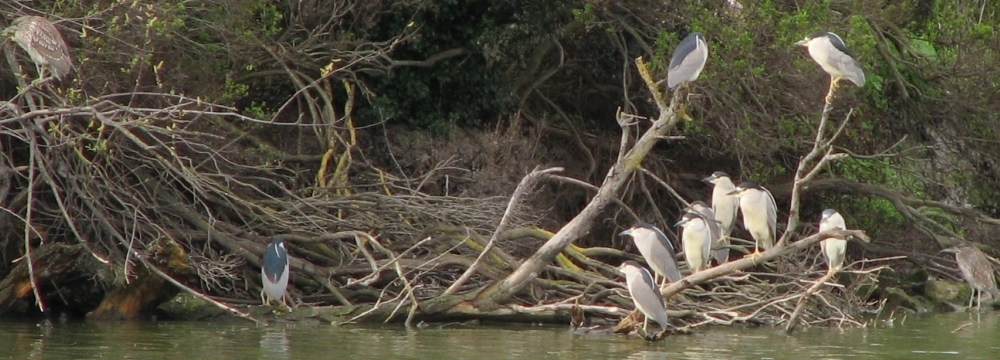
{"x": 137, "y": 298}
{"x": 67, "y": 277}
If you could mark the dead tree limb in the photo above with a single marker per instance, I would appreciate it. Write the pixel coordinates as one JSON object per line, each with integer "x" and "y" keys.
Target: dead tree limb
{"x": 618, "y": 175}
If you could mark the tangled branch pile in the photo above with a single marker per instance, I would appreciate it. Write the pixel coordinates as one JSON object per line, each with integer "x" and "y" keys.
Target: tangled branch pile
{"x": 100, "y": 193}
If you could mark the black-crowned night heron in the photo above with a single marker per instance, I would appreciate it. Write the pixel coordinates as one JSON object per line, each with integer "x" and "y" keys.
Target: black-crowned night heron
{"x": 725, "y": 207}
{"x": 833, "y": 248}
{"x": 977, "y": 271}
{"x": 44, "y": 44}
{"x": 656, "y": 249}
{"x": 760, "y": 214}
{"x": 645, "y": 294}
{"x": 274, "y": 272}
{"x": 687, "y": 61}
{"x": 696, "y": 240}
{"x": 829, "y": 51}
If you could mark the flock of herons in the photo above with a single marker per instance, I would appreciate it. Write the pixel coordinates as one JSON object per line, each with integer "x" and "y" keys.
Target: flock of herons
{"x": 708, "y": 227}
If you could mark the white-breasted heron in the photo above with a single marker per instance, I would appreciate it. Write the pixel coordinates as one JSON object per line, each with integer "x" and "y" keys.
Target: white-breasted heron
{"x": 701, "y": 208}
{"x": 656, "y": 249}
{"x": 726, "y": 208}
{"x": 760, "y": 214}
{"x": 44, "y": 44}
{"x": 645, "y": 293}
{"x": 274, "y": 272}
{"x": 829, "y": 51}
{"x": 688, "y": 60}
{"x": 833, "y": 248}
{"x": 696, "y": 239}
{"x": 976, "y": 270}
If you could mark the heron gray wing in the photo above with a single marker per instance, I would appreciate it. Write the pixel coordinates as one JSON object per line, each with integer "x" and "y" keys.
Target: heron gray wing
{"x": 275, "y": 260}
{"x": 648, "y": 279}
{"x": 845, "y": 60}
{"x": 685, "y": 71}
{"x": 687, "y": 46}
{"x": 838, "y": 43}
{"x": 772, "y": 214}
{"x": 687, "y": 61}
{"x": 713, "y": 224}
{"x": 674, "y": 272}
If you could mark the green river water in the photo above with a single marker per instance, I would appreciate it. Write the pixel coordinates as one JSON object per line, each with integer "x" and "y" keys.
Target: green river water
{"x": 932, "y": 336}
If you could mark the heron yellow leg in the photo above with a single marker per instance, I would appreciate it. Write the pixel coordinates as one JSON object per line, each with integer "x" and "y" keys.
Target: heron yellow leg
{"x": 834, "y": 84}
{"x": 756, "y": 253}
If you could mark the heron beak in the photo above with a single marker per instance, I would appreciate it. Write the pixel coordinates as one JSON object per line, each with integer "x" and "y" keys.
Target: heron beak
{"x": 679, "y": 223}
{"x": 626, "y": 232}
{"x": 735, "y": 192}
{"x": 802, "y": 42}
{"x": 949, "y": 250}
{"x": 709, "y": 179}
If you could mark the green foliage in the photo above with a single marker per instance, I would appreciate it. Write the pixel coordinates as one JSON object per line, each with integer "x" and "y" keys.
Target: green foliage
{"x": 879, "y": 214}
{"x": 469, "y": 89}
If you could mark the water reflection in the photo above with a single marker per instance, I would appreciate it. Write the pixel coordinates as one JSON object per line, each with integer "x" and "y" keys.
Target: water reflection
{"x": 274, "y": 343}
{"x": 959, "y": 336}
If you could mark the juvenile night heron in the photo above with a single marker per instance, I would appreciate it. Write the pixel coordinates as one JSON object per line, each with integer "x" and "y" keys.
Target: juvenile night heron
{"x": 645, "y": 294}
{"x": 833, "y": 248}
{"x": 274, "y": 272}
{"x": 760, "y": 214}
{"x": 656, "y": 249}
{"x": 977, "y": 271}
{"x": 43, "y": 43}
{"x": 725, "y": 207}
{"x": 687, "y": 61}
{"x": 829, "y": 51}
{"x": 696, "y": 240}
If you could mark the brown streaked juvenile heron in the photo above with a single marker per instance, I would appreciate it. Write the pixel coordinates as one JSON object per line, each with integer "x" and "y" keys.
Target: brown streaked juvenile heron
{"x": 274, "y": 272}
{"x": 696, "y": 239}
{"x": 833, "y": 248}
{"x": 687, "y": 61}
{"x": 656, "y": 249}
{"x": 44, "y": 44}
{"x": 645, "y": 294}
{"x": 725, "y": 207}
{"x": 760, "y": 214}
{"x": 976, "y": 270}
{"x": 829, "y": 51}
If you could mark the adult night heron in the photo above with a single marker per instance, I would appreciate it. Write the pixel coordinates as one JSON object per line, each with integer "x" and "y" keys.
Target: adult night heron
{"x": 977, "y": 271}
{"x": 645, "y": 294}
{"x": 656, "y": 249}
{"x": 274, "y": 272}
{"x": 687, "y": 61}
{"x": 701, "y": 208}
{"x": 696, "y": 239}
{"x": 760, "y": 214}
{"x": 725, "y": 207}
{"x": 829, "y": 51}
{"x": 833, "y": 248}
{"x": 43, "y": 43}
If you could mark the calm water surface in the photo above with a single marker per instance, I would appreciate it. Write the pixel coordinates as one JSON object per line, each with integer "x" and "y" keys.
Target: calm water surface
{"x": 919, "y": 337}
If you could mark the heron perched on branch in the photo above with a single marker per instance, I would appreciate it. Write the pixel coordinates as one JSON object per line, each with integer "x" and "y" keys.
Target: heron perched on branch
{"x": 833, "y": 248}
{"x": 977, "y": 271}
{"x": 760, "y": 214}
{"x": 44, "y": 44}
{"x": 829, "y": 51}
{"x": 725, "y": 207}
{"x": 696, "y": 239}
{"x": 656, "y": 249}
{"x": 688, "y": 60}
